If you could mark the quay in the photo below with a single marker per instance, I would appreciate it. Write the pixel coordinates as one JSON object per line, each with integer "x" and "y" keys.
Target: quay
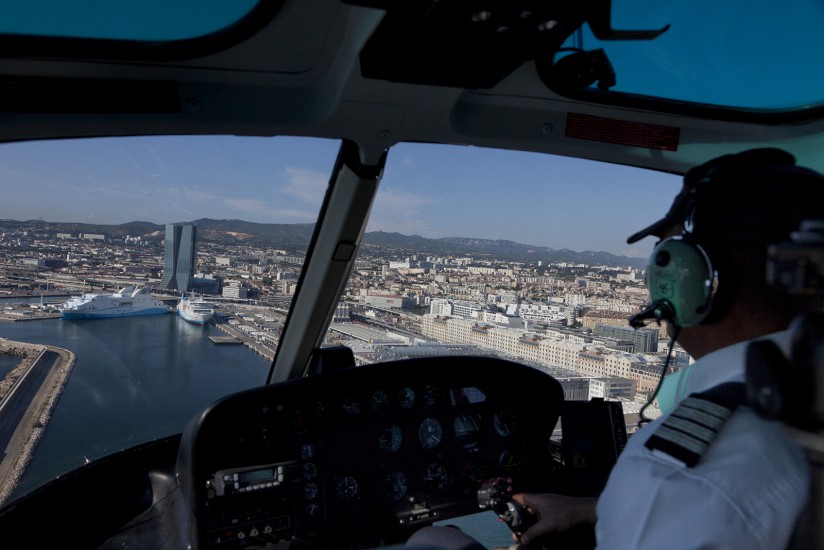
{"x": 246, "y": 340}
{"x": 36, "y": 317}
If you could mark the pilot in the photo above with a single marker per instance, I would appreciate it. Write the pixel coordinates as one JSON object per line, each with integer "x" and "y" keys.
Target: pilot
{"x": 744, "y": 482}
{"x": 735, "y": 480}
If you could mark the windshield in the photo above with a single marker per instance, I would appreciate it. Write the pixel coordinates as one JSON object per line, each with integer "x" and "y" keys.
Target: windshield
{"x": 510, "y": 254}
{"x": 219, "y": 222}
{"x": 450, "y": 264}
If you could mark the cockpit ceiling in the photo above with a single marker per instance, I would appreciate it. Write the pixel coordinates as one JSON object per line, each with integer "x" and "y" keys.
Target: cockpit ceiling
{"x": 749, "y": 60}
{"x": 509, "y": 74}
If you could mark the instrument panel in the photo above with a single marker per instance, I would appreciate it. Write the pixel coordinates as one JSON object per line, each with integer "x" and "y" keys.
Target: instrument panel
{"x": 364, "y": 456}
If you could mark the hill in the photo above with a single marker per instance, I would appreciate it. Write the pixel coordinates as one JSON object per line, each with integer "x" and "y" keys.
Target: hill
{"x": 297, "y": 237}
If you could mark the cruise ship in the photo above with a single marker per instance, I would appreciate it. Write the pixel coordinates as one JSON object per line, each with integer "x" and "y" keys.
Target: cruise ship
{"x": 195, "y": 310}
{"x": 129, "y": 301}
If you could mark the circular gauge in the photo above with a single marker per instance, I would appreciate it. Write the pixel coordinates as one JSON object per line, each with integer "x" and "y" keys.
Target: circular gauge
{"x": 347, "y": 488}
{"x": 310, "y": 471}
{"x": 431, "y": 395}
{"x": 435, "y": 477}
{"x": 510, "y": 462}
{"x": 390, "y": 439}
{"x": 351, "y": 406}
{"x": 397, "y": 486}
{"x": 430, "y": 433}
{"x": 379, "y": 402}
{"x": 310, "y": 490}
{"x": 504, "y": 422}
{"x": 312, "y": 509}
{"x": 468, "y": 431}
{"x": 406, "y": 398}
{"x": 307, "y": 451}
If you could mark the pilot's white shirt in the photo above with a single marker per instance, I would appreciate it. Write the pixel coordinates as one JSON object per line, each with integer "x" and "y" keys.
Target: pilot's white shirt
{"x": 746, "y": 492}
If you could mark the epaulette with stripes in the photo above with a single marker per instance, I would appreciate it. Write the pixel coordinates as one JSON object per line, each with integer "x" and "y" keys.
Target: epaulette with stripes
{"x": 690, "y": 429}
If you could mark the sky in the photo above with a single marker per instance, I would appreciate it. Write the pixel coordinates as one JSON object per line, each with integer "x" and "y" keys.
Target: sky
{"x": 428, "y": 190}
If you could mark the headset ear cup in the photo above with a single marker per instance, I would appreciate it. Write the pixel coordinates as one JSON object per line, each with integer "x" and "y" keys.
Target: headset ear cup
{"x": 681, "y": 275}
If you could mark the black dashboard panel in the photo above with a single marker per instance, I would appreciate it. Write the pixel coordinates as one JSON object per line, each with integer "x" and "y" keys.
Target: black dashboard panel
{"x": 364, "y": 456}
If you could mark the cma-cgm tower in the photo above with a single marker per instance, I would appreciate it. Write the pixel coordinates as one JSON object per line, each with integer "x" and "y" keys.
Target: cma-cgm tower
{"x": 179, "y": 256}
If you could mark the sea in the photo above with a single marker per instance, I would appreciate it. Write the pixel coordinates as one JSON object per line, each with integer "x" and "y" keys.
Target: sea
{"x": 136, "y": 379}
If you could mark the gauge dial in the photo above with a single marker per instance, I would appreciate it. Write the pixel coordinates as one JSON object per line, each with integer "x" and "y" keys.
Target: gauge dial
{"x": 397, "y": 486}
{"x": 504, "y": 422}
{"x": 347, "y": 488}
{"x": 430, "y": 433}
{"x": 435, "y": 477}
{"x": 390, "y": 439}
{"x": 379, "y": 402}
{"x": 406, "y": 398}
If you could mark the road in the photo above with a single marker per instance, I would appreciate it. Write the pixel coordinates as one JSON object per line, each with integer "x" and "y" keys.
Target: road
{"x": 14, "y": 407}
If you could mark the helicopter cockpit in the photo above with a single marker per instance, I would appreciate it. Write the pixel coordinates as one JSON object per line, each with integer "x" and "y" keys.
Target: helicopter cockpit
{"x": 330, "y": 451}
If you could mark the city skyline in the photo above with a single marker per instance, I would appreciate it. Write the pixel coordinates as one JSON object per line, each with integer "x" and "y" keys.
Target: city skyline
{"x": 430, "y": 190}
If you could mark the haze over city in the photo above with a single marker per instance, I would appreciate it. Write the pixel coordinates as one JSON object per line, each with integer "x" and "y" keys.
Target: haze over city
{"x": 175, "y": 178}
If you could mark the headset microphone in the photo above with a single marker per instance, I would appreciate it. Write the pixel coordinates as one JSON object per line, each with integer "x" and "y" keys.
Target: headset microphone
{"x": 660, "y": 310}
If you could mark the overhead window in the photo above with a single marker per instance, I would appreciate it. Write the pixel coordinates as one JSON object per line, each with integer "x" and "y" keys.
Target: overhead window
{"x": 143, "y": 20}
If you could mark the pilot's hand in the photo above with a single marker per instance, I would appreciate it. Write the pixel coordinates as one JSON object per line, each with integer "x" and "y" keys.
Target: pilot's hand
{"x": 555, "y": 513}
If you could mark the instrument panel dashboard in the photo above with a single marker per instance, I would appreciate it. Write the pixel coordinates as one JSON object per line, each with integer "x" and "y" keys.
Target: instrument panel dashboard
{"x": 366, "y": 455}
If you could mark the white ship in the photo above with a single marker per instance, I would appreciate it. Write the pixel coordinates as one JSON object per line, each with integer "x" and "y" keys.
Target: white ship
{"x": 195, "y": 310}
{"x": 128, "y": 302}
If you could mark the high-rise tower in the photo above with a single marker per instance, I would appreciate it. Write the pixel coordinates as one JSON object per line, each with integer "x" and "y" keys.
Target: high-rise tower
{"x": 179, "y": 256}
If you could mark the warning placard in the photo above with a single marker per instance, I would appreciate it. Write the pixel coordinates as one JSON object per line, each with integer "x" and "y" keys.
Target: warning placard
{"x": 622, "y": 132}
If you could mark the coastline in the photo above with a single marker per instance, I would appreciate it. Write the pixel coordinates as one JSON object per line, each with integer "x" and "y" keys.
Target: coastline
{"x": 35, "y": 421}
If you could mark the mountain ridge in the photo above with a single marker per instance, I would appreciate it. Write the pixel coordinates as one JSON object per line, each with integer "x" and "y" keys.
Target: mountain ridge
{"x": 297, "y": 236}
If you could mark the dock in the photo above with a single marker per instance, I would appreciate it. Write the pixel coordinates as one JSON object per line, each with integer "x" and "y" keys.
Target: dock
{"x": 225, "y": 340}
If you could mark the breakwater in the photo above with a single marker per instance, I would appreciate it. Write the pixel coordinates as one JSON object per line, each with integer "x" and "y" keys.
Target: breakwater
{"x": 34, "y": 422}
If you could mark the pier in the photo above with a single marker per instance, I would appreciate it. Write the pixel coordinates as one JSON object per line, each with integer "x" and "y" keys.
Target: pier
{"x": 224, "y": 340}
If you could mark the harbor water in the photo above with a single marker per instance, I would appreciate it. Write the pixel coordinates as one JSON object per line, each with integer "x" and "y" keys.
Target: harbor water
{"x": 7, "y": 363}
{"x": 136, "y": 379}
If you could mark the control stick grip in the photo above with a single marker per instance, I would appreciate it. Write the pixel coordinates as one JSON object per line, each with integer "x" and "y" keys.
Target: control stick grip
{"x": 496, "y": 494}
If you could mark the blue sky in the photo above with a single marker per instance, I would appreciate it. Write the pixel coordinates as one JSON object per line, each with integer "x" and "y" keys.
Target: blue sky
{"x": 429, "y": 190}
